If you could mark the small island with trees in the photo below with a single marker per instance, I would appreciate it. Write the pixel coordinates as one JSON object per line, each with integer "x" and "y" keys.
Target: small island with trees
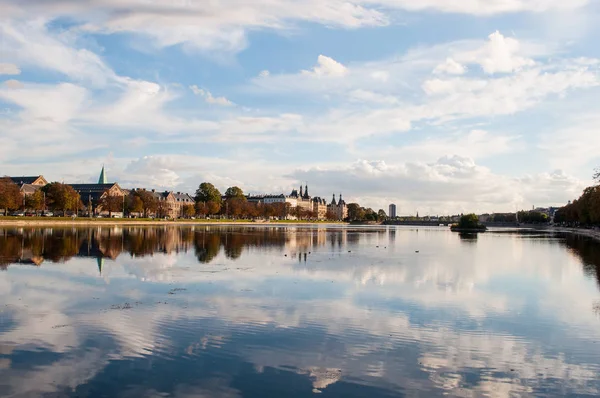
{"x": 469, "y": 223}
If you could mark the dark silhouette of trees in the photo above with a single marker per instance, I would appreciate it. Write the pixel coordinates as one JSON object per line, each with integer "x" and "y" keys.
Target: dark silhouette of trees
{"x": 533, "y": 217}
{"x": 583, "y": 211}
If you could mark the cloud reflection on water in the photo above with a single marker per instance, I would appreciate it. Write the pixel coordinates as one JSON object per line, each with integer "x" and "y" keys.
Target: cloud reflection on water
{"x": 507, "y": 314}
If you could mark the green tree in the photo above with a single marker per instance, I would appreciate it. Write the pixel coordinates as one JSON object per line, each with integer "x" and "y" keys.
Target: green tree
{"x": 235, "y": 193}
{"x": 207, "y": 192}
{"x": 10, "y": 195}
{"x": 469, "y": 221}
{"x": 381, "y": 215}
{"x": 355, "y": 212}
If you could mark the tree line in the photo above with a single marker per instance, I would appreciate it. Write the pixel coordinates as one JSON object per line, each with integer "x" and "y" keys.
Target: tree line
{"x": 585, "y": 210}
{"x": 209, "y": 202}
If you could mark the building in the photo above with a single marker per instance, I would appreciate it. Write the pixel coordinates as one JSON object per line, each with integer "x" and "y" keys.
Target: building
{"x": 92, "y": 195}
{"x": 303, "y": 199}
{"x": 170, "y": 204}
{"x": 338, "y": 209}
{"x": 182, "y": 200}
{"x": 29, "y": 185}
{"x": 392, "y": 213}
{"x": 320, "y": 208}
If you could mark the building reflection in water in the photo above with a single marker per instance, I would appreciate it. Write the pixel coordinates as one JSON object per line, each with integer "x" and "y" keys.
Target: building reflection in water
{"x": 36, "y": 245}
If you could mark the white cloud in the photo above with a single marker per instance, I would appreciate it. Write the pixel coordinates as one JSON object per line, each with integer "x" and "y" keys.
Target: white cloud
{"x": 12, "y": 83}
{"x": 483, "y": 7}
{"x": 327, "y": 67}
{"x": 264, "y": 73}
{"x": 451, "y": 184}
{"x": 208, "y": 97}
{"x": 31, "y": 44}
{"x": 9, "y": 69}
{"x": 380, "y": 75}
{"x": 369, "y": 96}
{"x": 153, "y": 171}
{"x": 574, "y": 145}
{"x": 500, "y": 55}
{"x": 478, "y": 144}
{"x": 49, "y": 103}
{"x": 451, "y": 67}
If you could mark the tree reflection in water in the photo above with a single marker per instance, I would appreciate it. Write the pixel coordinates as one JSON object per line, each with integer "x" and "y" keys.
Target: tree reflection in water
{"x": 56, "y": 245}
{"x": 36, "y": 245}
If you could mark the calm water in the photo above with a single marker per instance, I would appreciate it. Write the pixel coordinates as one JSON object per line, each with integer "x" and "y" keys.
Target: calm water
{"x": 294, "y": 312}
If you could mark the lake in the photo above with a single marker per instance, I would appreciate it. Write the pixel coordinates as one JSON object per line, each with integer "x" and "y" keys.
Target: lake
{"x": 216, "y": 311}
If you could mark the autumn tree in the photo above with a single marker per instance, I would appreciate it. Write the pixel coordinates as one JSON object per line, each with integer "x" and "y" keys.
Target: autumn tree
{"x": 61, "y": 197}
{"x": 201, "y": 209}
{"x": 111, "y": 203}
{"x": 207, "y": 192}
{"x": 149, "y": 202}
{"x": 213, "y": 208}
{"x": 35, "y": 201}
{"x": 10, "y": 195}
{"x": 189, "y": 211}
{"x": 135, "y": 204}
{"x": 330, "y": 216}
{"x": 162, "y": 209}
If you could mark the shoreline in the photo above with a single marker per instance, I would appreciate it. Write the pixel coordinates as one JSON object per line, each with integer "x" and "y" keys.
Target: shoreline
{"x": 590, "y": 233}
{"x": 38, "y": 222}
{"x": 133, "y": 222}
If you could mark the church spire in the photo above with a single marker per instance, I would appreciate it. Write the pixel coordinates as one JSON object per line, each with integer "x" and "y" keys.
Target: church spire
{"x": 306, "y": 191}
{"x": 301, "y": 191}
{"x": 333, "y": 202}
{"x": 102, "y": 179}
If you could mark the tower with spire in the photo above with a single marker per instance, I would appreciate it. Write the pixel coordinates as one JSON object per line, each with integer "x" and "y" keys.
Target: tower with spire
{"x": 102, "y": 179}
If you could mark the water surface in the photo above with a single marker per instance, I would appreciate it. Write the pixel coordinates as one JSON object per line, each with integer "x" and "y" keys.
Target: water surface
{"x": 297, "y": 311}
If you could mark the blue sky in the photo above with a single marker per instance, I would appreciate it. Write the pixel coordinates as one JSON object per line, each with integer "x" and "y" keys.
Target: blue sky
{"x": 439, "y": 106}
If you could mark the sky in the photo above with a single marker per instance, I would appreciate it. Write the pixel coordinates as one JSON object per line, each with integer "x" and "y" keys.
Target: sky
{"x": 439, "y": 106}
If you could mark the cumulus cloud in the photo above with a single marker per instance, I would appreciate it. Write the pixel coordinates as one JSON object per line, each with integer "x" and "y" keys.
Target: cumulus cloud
{"x": 9, "y": 69}
{"x": 152, "y": 171}
{"x": 501, "y": 55}
{"x": 452, "y": 183}
{"x": 451, "y": 67}
{"x": 327, "y": 67}
{"x": 209, "y": 98}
